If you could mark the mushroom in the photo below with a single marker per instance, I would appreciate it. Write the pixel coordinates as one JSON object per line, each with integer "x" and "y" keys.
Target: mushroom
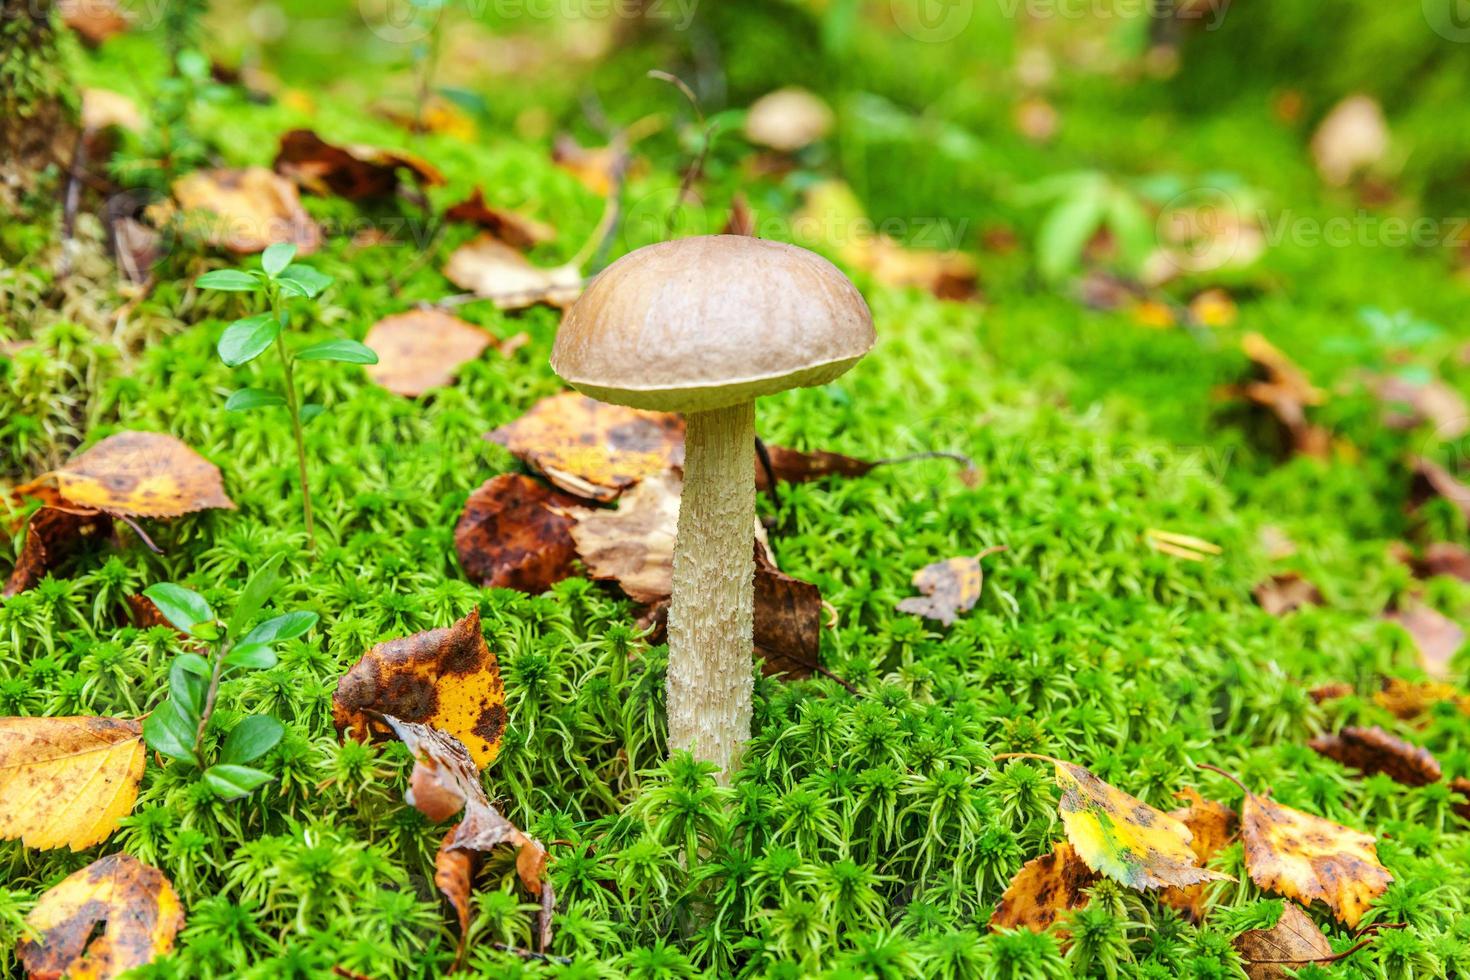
{"x": 704, "y": 326}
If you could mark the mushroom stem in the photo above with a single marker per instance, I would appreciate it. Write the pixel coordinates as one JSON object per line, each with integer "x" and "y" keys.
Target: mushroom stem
{"x": 711, "y": 613}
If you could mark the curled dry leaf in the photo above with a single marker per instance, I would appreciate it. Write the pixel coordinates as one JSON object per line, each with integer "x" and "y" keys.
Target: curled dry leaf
{"x": 1432, "y": 480}
{"x": 514, "y": 229}
{"x": 446, "y": 678}
{"x": 1409, "y": 403}
{"x": 422, "y": 349}
{"x": 1045, "y": 889}
{"x": 1437, "y": 637}
{"x": 1280, "y": 387}
{"x": 1350, "y": 138}
{"x": 1408, "y": 700}
{"x": 787, "y": 119}
{"x": 136, "y": 474}
{"x": 1286, "y": 592}
{"x": 1123, "y": 837}
{"x": 1307, "y": 858}
{"x": 67, "y": 781}
{"x": 114, "y": 915}
{"x": 950, "y": 587}
{"x": 352, "y": 171}
{"x": 591, "y": 448}
{"x": 489, "y": 268}
{"x": 1292, "y": 943}
{"x": 1373, "y": 750}
{"x": 1212, "y": 826}
{"x": 515, "y": 534}
{"x": 242, "y": 211}
{"x": 51, "y": 535}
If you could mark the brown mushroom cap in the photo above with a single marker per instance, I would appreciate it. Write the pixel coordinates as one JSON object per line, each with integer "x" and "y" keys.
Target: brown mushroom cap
{"x": 702, "y": 323}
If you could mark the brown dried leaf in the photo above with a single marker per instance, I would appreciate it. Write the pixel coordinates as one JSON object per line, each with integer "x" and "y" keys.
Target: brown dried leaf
{"x": 1432, "y": 480}
{"x": 137, "y": 474}
{"x": 1409, "y": 403}
{"x": 353, "y": 171}
{"x": 633, "y": 545}
{"x": 1435, "y": 635}
{"x": 514, "y": 229}
{"x": 1213, "y": 826}
{"x": 591, "y": 448}
{"x": 1286, "y": 592}
{"x": 446, "y": 678}
{"x": 422, "y": 349}
{"x": 514, "y": 534}
{"x": 950, "y": 587}
{"x": 788, "y": 620}
{"x": 1307, "y": 858}
{"x": 67, "y": 781}
{"x": 1374, "y": 750}
{"x": 491, "y": 269}
{"x": 52, "y": 534}
{"x": 787, "y": 119}
{"x": 242, "y": 211}
{"x": 1293, "y": 942}
{"x": 130, "y": 908}
{"x": 1043, "y": 890}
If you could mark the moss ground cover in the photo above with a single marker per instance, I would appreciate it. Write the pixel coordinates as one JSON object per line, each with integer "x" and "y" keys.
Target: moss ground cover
{"x": 868, "y": 833}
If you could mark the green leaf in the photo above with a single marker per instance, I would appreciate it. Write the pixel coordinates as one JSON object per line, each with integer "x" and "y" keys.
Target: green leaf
{"x": 251, "y": 656}
{"x": 1064, "y": 234}
{"x": 168, "y": 732}
{"x": 245, "y": 340}
{"x": 303, "y": 280}
{"x": 258, "y": 589}
{"x": 186, "y": 690}
{"x": 310, "y": 411}
{"x": 287, "y": 626}
{"x": 180, "y": 606}
{"x": 251, "y": 739}
{"x": 231, "y": 782}
{"x": 248, "y": 398}
{"x": 348, "y": 351}
{"x": 228, "y": 280}
{"x": 276, "y": 258}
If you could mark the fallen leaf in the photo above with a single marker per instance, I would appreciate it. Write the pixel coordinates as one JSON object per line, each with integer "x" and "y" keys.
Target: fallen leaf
{"x": 136, "y": 474}
{"x": 1043, "y": 890}
{"x": 794, "y": 466}
{"x": 1437, "y": 638}
{"x": 241, "y": 211}
{"x": 1307, "y": 858}
{"x": 1286, "y": 592}
{"x": 493, "y": 270}
{"x": 787, "y": 119}
{"x": 51, "y": 535}
{"x": 112, "y": 916}
{"x": 633, "y": 545}
{"x": 514, "y": 229}
{"x": 1293, "y": 942}
{"x": 1408, "y": 700}
{"x": 422, "y": 349}
{"x": 1212, "y": 826}
{"x": 787, "y": 620}
{"x": 514, "y": 534}
{"x": 352, "y": 171}
{"x": 447, "y": 678}
{"x": 1409, "y": 403}
{"x": 1432, "y": 480}
{"x": 1351, "y": 138}
{"x": 94, "y": 20}
{"x": 591, "y": 448}
{"x": 950, "y": 587}
{"x": 1123, "y": 837}
{"x": 1373, "y": 750}
{"x": 67, "y": 781}
{"x": 1280, "y": 387}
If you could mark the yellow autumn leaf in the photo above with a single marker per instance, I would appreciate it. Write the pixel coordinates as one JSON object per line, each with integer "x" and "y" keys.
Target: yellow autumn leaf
{"x": 67, "y": 781}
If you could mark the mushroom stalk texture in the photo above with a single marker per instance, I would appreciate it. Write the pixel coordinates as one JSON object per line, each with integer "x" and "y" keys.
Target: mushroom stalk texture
{"x": 711, "y": 614}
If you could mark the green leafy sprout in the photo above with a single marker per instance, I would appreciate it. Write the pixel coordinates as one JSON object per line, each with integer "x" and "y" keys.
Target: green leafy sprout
{"x": 279, "y": 280}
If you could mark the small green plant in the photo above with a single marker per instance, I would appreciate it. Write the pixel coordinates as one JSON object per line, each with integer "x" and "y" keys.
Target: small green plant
{"x": 176, "y": 728}
{"x": 279, "y": 280}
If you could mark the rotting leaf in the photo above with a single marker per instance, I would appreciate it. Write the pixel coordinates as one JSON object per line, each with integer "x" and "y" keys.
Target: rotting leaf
{"x": 515, "y": 534}
{"x": 447, "y": 678}
{"x": 950, "y": 587}
{"x": 352, "y": 171}
{"x": 1307, "y": 858}
{"x": 1373, "y": 750}
{"x": 1212, "y": 825}
{"x": 1435, "y": 635}
{"x": 591, "y": 448}
{"x": 67, "y": 781}
{"x": 130, "y": 908}
{"x": 493, "y": 270}
{"x": 1043, "y": 890}
{"x": 514, "y": 229}
{"x": 242, "y": 211}
{"x": 136, "y": 474}
{"x": 1123, "y": 837}
{"x": 1292, "y": 943}
{"x": 1286, "y": 592}
{"x": 788, "y": 620}
{"x": 422, "y": 349}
